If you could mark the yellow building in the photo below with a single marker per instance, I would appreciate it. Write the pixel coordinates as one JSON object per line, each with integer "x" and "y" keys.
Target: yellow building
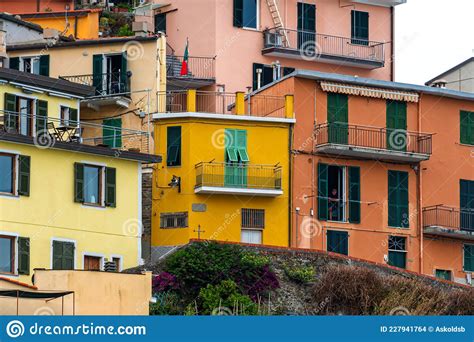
{"x": 66, "y": 201}
{"x": 226, "y": 171}
{"x": 80, "y": 24}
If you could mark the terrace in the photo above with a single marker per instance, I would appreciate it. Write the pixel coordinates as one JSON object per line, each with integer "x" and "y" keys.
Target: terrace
{"x": 441, "y": 220}
{"x": 305, "y": 45}
{"x": 366, "y": 142}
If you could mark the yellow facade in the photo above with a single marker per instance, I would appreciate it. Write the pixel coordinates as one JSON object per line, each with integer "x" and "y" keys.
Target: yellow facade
{"x": 80, "y": 24}
{"x": 218, "y": 216}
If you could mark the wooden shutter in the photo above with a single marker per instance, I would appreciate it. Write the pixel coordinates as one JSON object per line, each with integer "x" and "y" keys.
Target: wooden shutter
{"x": 173, "y": 143}
{"x": 398, "y": 199}
{"x": 41, "y": 116}
{"x": 97, "y": 73}
{"x": 78, "y": 182}
{"x": 15, "y": 63}
{"x": 63, "y": 255}
{"x": 112, "y": 132}
{"x": 322, "y": 191}
{"x": 11, "y": 115}
{"x": 110, "y": 187}
{"x": 403, "y": 200}
{"x": 73, "y": 116}
{"x": 469, "y": 258}
{"x": 392, "y": 199}
{"x": 24, "y": 175}
{"x": 337, "y": 116}
{"x": 44, "y": 65}
{"x": 338, "y": 242}
{"x": 23, "y": 255}
{"x": 241, "y": 145}
{"x": 467, "y": 127}
{"x": 238, "y": 13}
{"x": 354, "y": 194}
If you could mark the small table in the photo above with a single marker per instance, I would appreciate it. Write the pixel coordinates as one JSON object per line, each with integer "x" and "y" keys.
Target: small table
{"x": 63, "y": 130}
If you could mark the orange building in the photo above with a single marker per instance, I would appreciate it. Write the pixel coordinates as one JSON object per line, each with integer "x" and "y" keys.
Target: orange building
{"x": 370, "y": 159}
{"x": 28, "y": 6}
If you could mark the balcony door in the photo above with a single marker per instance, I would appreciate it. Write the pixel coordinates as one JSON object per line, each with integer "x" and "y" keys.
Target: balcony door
{"x": 338, "y": 112}
{"x": 306, "y": 24}
{"x": 236, "y": 158}
{"x": 110, "y": 73}
{"x": 396, "y": 125}
{"x": 467, "y": 204}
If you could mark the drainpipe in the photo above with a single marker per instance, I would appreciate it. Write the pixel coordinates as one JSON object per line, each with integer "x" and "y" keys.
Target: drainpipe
{"x": 392, "y": 44}
{"x": 420, "y": 196}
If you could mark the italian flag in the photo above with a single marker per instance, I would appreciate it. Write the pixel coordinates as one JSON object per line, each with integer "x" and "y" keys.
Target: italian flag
{"x": 184, "y": 65}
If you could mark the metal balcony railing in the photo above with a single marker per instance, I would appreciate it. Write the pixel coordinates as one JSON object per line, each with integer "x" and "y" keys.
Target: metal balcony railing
{"x": 244, "y": 176}
{"x": 312, "y": 44}
{"x": 180, "y": 101}
{"x": 106, "y": 84}
{"x": 46, "y": 131}
{"x": 373, "y": 137}
{"x": 198, "y": 67}
{"x": 448, "y": 217}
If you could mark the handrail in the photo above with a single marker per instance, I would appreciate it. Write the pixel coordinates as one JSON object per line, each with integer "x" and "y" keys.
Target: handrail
{"x": 448, "y": 217}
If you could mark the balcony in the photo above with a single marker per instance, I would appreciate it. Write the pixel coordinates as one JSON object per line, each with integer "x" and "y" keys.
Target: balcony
{"x": 365, "y": 142}
{"x": 440, "y": 220}
{"x": 200, "y": 72}
{"x": 111, "y": 88}
{"x": 311, "y": 46}
{"x": 240, "y": 179}
{"x": 210, "y": 103}
{"x": 49, "y": 132}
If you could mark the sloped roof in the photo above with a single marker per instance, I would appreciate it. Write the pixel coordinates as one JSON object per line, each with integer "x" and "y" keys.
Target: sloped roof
{"x": 454, "y": 68}
{"x": 14, "y": 19}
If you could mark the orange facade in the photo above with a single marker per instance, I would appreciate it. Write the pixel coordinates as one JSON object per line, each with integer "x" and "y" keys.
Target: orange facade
{"x": 31, "y": 6}
{"x": 432, "y": 164}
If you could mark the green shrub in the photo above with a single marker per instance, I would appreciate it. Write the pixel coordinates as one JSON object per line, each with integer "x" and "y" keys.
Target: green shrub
{"x": 300, "y": 274}
{"x": 167, "y": 303}
{"x": 254, "y": 260}
{"x": 225, "y": 299}
{"x": 125, "y": 31}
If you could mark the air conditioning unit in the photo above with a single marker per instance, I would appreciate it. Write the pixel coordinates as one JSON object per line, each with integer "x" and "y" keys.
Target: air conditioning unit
{"x": 273, "y": 39}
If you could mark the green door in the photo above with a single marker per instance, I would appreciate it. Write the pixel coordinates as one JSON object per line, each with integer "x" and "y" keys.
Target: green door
{"x": 236, "y": 158}
{"x": 397, "y": 125}
{"x": 467, "y": 204}
{"x": 338, "y": 132}
{"x": 443, "y": 274}
{"x": 338, "y": 242}
{"x": 112, "y": 132}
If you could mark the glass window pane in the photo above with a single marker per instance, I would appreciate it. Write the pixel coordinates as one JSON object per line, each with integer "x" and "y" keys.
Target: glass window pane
{"x": 91, "y": 184}
{"x": 6, "y": 174}
{"x": 251, "y": 236}
{"x": 6, "y": 255}
{"x": 250, "y": 13}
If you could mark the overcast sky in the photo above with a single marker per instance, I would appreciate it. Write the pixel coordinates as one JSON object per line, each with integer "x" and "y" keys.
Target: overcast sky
{"x": 431, "y": 37}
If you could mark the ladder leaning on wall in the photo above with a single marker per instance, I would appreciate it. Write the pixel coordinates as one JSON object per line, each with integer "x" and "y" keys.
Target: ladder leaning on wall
{"x": 275, "y": 13}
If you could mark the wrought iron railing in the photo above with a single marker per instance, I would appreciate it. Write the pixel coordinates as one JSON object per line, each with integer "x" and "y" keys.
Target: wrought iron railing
{"x": 220, "y": 103}
{"x": 314, "y": 45}
{"x": 46, "y": 131}
{"x": 448, "y": 217}
{"x": 105, "y": 84}
{"x": 373, "y": 137}
{"x": 246, "y": 176}
{"x": 198, "y": 67}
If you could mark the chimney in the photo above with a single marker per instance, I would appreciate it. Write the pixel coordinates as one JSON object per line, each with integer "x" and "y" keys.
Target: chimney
{"x": 51, "y": 36}
{"x": 140, "y": 28}
{"x": 3, "y": 45}
{"x": 439, "y": 83}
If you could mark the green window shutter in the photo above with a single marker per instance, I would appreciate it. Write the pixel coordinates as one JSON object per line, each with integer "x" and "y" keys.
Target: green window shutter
{"x": 354, "y": 194}
{"x": 124, "y": 86}
{"x": 78, "y": 182}
{"x": 403, "y": 200}
{"x": 238, "y": 13}
{"x": 41, "y": 116}
{"x": 231, "y": 145}
{"x": 44, "y": 65}
{"x": 322, "y": 192}
{"x": 392, "y": 199}
{"x": 338, "y": 242}
{"x": 359, "y": 27}
{"x": 11, "y": 115}
{"x": 397, "y": 259}
{"x": 469, "y": 258}
{"x": 97, "y": 72}
{"x": 23, "y": 255}
{"x": 396, "y": 120}
{"x": 63, "y": 255}
{"x": 24, "y": 175}
{"x": 15, "y": 63}
{"x": 398, "y": 199}
{"x": 337, "y": 116}
{"x": 241, "y": 145}
{"x": 467, "y": 127}
{"x": 112, "y": 132}
{"x": 173, "y": 146}
{"x": 57, "y": 255}
{"x": 110, "y": 187}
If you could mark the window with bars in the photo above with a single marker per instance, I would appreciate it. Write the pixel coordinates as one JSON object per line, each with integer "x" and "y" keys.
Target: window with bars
{"x": 174, "y": 220}
{"x": 397, "y": 253}
{"x": 253, "y": 218}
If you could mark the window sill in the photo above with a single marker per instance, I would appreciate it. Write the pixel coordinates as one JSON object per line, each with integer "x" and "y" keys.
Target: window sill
{"x": 8, "y": 195}
{"x": 251, "y": 29}
{"x": 404, "y": 228}
{"x": 14, "y": 275}
{"x": 466, "y": 145}
{"x": 93, "y": 206}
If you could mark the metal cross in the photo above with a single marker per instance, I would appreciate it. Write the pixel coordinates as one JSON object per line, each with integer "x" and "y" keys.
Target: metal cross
{"x": 199, "y": 231}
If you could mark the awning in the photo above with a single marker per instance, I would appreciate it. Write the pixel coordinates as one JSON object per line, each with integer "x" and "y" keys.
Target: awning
{"x": 369, "y": 92}
{"x": 33, "y": 294}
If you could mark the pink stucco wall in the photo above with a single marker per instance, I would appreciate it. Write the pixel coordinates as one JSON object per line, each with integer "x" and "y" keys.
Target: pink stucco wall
{"x": 208, "y": 25}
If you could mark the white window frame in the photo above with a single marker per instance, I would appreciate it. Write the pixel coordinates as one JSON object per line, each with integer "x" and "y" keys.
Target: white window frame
{"x": 16, "y": 157}
{"x": 102, "y": 168}
{"x": 251, "y": 230}
{"x": 257, "y": 23}
{"x": 15, "y": 237}
{"x": 21, "y": 67}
